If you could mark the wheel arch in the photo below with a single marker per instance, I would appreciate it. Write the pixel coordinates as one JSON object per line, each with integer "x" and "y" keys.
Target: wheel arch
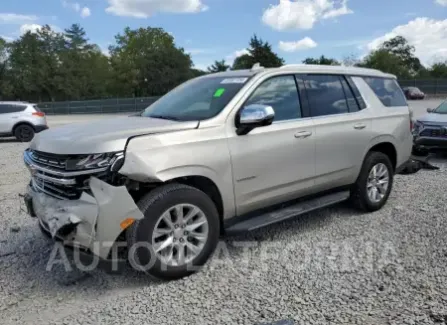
{"x": 205, "y": 179}
{"x": 22, "y": 123}
{"x": 386, "y": 146}
{"x": 207, "y": 186}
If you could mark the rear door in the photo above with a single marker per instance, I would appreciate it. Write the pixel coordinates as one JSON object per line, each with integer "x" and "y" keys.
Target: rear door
{"x": 9, "y": 116}
{"x": 342, "y": 128}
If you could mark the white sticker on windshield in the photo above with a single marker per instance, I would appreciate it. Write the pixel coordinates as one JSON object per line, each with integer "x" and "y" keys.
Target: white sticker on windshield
{"x": 234, "y": 81}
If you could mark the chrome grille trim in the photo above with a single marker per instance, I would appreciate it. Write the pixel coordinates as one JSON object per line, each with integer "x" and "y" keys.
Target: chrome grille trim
{"x": 41, "y": 189}
{"x": 61, "y": 181}
{"x": 48, "y": 170}
{"x": 50, "y": 177}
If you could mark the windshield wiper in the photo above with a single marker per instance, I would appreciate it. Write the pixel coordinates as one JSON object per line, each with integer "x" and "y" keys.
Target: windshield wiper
{"x": 165, "y": 117}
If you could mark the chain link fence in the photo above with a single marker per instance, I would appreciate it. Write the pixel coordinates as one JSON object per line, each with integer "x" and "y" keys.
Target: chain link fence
{"x": 431, "y": 87}
{"x": 100, "y": 106}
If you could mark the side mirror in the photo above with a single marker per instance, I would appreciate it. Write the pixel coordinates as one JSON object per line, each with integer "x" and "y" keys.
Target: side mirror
{"x": 253, "y": 116}
{"x": 430, "y": 110}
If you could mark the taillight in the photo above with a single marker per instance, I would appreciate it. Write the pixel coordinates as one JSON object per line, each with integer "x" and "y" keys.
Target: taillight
{"x": 40, "y": 114}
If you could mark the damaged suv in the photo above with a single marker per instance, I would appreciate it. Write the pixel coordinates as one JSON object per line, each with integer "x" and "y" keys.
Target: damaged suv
{"x": 221, "y": 154}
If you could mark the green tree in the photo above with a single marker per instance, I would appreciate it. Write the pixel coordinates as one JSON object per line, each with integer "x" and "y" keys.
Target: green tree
{"x": 322, "y": 60}
{"x": 258, "y": 52}
{"x": 438, "y": 70}
{"x": 218, "y": 66}
{"x": 26, "y": 63}
{"x": 400, "y": 47}
{"x": 146, "y": 62}
{"x": 5, "y": 87}
{"x": 76, "y": 39}
{"x": 387, "y": 62}
{"x": 51, "y": 44}
{"x": 83, "y": 66}
{"x": 244, "y": 61}
{"x": 197, "y": 73}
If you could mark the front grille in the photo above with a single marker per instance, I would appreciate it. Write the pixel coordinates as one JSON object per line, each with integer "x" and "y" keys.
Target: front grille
{"x": 51, "y": 176}
{"x": 55, "y": 190}
{"x": 434, "y": 133}
{"x": 47, "y": 159}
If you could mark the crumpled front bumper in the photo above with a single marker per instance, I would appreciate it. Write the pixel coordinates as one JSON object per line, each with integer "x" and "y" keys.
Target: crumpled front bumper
{"x": 93, "y": 222}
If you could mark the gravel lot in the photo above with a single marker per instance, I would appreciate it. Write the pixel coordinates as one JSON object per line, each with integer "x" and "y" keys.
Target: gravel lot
{"x": 335, "y": 266}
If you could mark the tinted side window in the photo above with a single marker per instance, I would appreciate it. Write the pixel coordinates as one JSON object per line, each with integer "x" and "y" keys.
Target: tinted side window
{"x": 11, "y": 108}
{"x": 388, "y": 91}
{"x": 352, "y": 103}
{"x": 325, "y": 95}
{"x": 280, "y": 93}
{"x": 356, "y": 92}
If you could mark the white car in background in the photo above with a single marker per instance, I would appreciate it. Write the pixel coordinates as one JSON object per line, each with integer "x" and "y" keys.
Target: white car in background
{"x": 21, "y": 120}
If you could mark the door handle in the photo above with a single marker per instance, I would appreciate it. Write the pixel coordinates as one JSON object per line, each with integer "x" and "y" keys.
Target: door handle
{"x": 359, "y": 126}
{"x": 303, "y": 134}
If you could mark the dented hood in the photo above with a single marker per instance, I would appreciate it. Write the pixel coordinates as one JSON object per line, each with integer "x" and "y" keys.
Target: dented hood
{"x": 100, "y": 136}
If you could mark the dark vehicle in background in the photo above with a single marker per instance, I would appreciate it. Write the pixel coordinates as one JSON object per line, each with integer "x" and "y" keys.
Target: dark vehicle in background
{"x": 413, "y": 93}
{"x": 430, "y": 131}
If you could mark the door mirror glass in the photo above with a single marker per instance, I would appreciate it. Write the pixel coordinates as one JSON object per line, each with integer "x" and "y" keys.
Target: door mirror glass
{"x": 430, "y": 110}
{"x": 253, "y": 116}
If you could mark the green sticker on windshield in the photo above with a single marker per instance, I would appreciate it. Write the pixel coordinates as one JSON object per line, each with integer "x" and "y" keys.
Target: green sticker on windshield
{"x": 219, "y": 92}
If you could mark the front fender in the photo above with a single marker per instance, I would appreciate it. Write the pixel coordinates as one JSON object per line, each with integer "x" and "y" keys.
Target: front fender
{"x": 164, "y": 157}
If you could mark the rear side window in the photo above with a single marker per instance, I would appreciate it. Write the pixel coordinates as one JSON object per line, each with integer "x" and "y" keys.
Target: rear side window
{"x": 388, "y": 91}
{"x": 11, "y": 108}
{"x": 325, "y": 95}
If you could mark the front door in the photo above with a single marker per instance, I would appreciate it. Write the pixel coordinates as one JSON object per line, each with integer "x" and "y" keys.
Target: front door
{"x": 275, "y": 163}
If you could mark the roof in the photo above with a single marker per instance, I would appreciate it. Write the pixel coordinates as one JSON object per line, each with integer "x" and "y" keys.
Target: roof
{"x": 14, "y": 102}
{"x": 306, "y": 68}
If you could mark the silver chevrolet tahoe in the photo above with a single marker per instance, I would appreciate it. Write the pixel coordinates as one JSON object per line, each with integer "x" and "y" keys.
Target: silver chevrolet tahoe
{"x": 221, "y": 154}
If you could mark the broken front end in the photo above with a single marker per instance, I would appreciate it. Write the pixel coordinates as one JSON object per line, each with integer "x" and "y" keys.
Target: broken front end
{"x": 80, "y": 199}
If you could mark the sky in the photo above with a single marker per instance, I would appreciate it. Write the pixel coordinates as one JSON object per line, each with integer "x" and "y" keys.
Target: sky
{"x": 220, "y": 29}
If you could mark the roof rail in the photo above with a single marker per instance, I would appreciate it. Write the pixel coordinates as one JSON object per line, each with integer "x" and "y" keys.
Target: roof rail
{"x": 337, "y": 69}
{"x": 256, "y": 67}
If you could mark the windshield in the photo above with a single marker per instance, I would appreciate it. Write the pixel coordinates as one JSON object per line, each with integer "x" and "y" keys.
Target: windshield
{"x": 441, "y": 109}
{"x": 197, "y": 99}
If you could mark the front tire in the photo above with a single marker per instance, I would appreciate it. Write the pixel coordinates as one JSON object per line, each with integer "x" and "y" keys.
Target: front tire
{"x": 374, "y": 184}
{"x": 178, "y": 234}
{"x": 24, "y": 133}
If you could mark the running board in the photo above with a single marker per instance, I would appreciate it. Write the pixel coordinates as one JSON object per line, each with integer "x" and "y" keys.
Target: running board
{"x": 287, "y": 213}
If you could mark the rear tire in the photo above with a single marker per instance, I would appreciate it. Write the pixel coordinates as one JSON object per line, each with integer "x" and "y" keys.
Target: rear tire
{"x": 363, "y": 194}
{"x": 24, "y": 133}
{"x": 162, "y": 226}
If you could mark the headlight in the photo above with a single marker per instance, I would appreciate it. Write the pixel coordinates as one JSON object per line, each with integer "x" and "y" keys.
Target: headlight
{"x": 94, "y": 161}
{"x": 417, "y": 127}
